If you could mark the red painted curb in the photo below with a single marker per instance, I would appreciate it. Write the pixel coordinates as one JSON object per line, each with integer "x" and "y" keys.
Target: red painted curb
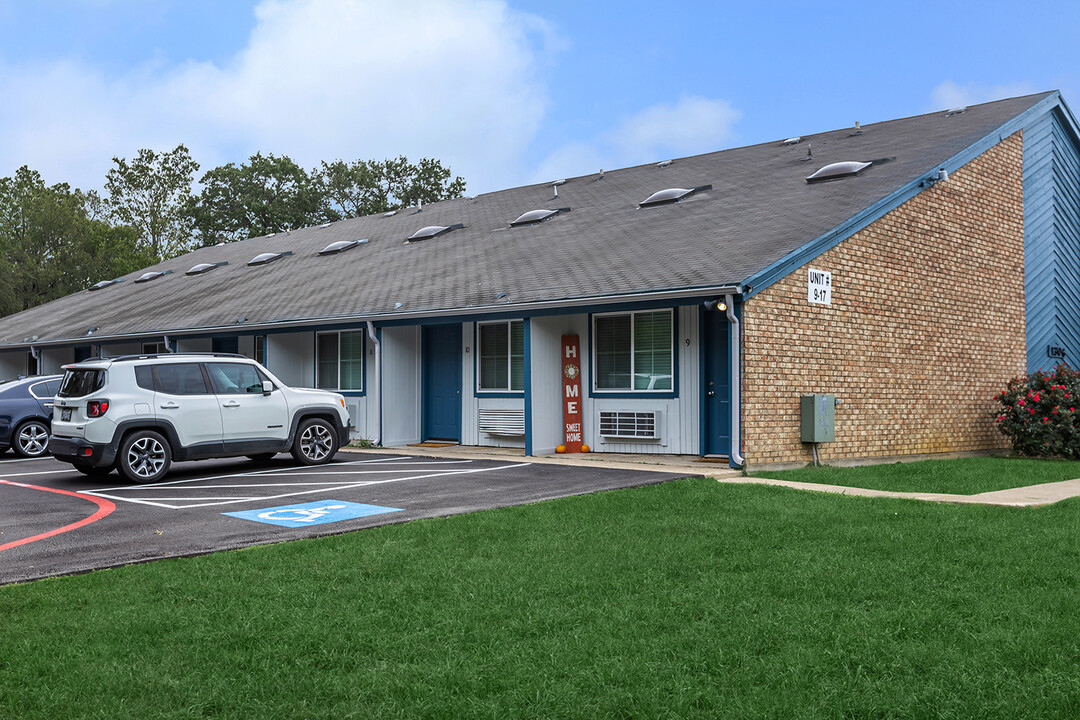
{"x": 105, "y": 507}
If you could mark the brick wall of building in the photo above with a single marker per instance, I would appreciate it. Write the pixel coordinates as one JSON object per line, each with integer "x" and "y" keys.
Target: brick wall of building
{"x": 926, "y": 325}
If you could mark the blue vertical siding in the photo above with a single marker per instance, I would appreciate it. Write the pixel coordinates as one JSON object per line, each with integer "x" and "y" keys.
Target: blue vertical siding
{"x": 1052, "y": 238}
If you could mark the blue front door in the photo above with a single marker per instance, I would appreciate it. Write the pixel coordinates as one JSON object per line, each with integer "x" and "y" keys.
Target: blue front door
{"x": 716, "y": 386}
{"x": 442, "y": 382}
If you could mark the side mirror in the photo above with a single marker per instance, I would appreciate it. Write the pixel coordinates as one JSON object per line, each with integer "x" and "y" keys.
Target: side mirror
{"x": 268, "y": 387}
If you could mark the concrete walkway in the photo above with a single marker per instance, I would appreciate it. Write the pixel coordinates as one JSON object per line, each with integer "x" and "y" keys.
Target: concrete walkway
{"x": 1031, "y": 496}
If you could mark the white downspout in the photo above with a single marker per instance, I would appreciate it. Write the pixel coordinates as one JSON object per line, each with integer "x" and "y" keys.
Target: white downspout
{"x": 736, "y": 383}
{"x": 376, "y": 394}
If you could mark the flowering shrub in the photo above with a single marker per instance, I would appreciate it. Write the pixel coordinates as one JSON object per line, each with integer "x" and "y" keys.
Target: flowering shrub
{"x": 1039, "y": 413}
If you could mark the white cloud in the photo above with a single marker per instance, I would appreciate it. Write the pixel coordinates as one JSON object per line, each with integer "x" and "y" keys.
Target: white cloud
{"x": 456, "y": 80}
{"x": 950, "y": 94}
{"x": 691, "y": 126}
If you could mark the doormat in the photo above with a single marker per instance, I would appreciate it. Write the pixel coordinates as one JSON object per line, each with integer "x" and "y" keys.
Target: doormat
{"x": 434, "y": 444}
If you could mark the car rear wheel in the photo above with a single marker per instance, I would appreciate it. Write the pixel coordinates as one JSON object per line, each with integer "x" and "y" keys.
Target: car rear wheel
{"x": 316, "y": 442}
{"x": 144, "y": 457}
{"x": 31, "y": 439}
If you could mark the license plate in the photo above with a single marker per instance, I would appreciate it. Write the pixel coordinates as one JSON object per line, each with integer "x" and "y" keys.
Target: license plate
{"x": 65, "y": 414}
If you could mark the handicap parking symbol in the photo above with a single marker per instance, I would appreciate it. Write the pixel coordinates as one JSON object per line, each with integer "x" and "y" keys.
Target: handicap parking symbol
{"x": 313, "y": 513}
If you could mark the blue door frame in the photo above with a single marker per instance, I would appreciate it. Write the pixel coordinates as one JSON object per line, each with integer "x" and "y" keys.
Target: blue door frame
{"x": 716, "y": 385}
{"x": 442, "y": 382}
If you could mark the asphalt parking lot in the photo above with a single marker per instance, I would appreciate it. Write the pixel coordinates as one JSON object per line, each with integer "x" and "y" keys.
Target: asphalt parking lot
{"x": 55, "y": 521}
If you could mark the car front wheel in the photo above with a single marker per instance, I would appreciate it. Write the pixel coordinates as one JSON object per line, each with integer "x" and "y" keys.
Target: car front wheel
{"x": 316, "y": 442}
{"x": 31, "y": 439}
{"x": 144, "y": 457}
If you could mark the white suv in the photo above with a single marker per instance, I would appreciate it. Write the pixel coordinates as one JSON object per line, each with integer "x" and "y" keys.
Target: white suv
{"x": 139, "y": 413}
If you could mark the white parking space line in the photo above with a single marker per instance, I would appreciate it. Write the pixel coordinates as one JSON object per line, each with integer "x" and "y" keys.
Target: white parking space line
{"x": 27, "y": 474}
{"x": 315, "y": 470}
{"x": 197, "y": 501}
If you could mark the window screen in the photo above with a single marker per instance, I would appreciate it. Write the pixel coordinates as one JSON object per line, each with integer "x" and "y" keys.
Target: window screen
{"x": 634, "y": 351}
{"x": 502, "y": 355}
{"x": 340, "y": 360}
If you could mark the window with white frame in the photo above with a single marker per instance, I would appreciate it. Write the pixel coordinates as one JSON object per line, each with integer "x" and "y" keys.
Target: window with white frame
{"x": 502, "y": 356}
{"x": 339, "y": 360}
{"x": 634, "y": 351}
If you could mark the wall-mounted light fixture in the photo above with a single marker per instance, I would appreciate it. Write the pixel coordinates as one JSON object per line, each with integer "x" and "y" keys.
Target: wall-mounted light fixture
{"x": 717, "y": 304}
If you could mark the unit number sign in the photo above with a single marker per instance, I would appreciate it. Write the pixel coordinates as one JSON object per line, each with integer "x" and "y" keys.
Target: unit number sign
{"x": 819, "y": 287}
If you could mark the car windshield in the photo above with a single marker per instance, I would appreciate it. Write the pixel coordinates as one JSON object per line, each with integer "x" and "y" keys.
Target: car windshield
{"x": 81, "y": 382}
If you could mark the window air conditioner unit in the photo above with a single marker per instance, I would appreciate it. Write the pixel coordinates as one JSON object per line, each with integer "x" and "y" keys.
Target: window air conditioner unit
{"x": 630, "y": 425}
{"x": 502, "y": 422}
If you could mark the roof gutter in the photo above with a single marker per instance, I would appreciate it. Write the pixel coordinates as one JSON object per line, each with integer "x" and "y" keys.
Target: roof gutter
{"x": 377, "y": 390}
{"x": 523, "y": 307}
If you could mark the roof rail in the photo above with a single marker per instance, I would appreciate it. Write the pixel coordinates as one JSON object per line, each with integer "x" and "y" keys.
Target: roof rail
{"x": 152, "y": 356}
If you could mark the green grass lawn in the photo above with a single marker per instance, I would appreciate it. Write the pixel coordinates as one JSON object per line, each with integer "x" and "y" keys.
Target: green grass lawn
{"x": 682, "y": 600}
{"x": 965, "y": 476}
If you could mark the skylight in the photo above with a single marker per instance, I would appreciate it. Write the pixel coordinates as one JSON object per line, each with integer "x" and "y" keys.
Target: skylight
{"x": 103, "y": 284}
{"x": 267, "y": 258}
{"x": 426, "y": 233}
{"x": 341, "y": 246}
{"x": 838, "y": 170}
{"x": 147, "y": 277}
{"x": 671, "y": 195}
{"x": 204, "y": 268}
{"x": 534, "y": 217}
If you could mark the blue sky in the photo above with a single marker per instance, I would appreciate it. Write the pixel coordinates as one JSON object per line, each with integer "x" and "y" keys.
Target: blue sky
{"x": 505, "y": 92}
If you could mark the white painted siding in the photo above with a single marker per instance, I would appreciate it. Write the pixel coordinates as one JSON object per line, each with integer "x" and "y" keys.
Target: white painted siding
{"x": 470, "y": 403}
{"x": 189, "y": 345}
{"x": 362, "y": 410}
{"x": 681, "y": 416}
{"x": 547, "y": 386}
{"x": 131, "y": 348}
{"x": 291, "y": 356}
{"x": 401, "y": 385}
{"x": 487, "y": 439}
{"x": 53, "y": 359}
{"x": 12, "y": 364}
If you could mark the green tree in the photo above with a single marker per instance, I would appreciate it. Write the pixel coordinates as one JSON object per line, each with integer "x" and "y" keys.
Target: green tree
{"x": 268, "y": 194}
{"x": 153, "y": 194}
{"x": 51, "y": 247}
{"x": 366, "y": 187}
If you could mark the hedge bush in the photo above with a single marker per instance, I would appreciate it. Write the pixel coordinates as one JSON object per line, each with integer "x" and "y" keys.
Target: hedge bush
{"x": 1039, "y": 413}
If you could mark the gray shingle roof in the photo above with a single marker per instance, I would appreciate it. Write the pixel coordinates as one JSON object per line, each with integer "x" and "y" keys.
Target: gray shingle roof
{"x": 759, "y": 210}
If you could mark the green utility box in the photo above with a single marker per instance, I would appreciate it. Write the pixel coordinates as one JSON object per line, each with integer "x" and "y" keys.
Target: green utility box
{"x": 818, "y": 418}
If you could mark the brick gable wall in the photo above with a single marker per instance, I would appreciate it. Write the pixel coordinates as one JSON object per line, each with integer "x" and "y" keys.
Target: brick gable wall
{"x": 926, "y": 325}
